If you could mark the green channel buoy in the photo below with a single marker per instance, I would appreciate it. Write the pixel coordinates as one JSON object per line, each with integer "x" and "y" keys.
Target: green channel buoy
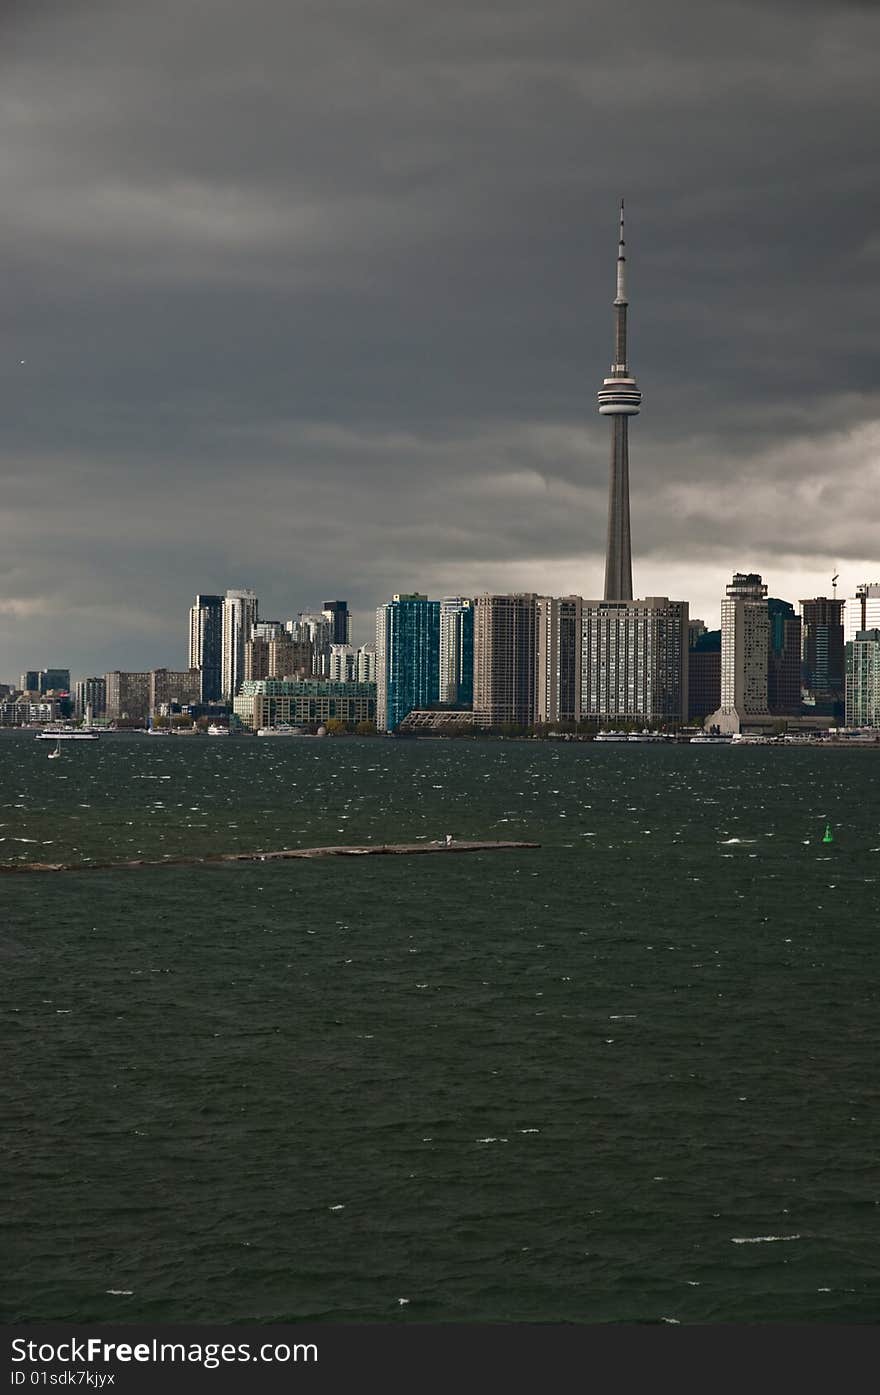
{"x": 829, "y": 836}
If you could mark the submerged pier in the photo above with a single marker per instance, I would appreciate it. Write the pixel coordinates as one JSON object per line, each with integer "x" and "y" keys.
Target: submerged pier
{"x": 285, "y": 854}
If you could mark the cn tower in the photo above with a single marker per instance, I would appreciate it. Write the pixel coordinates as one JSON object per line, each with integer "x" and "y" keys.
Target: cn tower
{"x": 619, "y": 398}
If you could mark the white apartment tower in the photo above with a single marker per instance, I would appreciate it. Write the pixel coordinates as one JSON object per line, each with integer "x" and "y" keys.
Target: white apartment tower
{"x": 240, "y": 611}
{"x": 745, "y": 638}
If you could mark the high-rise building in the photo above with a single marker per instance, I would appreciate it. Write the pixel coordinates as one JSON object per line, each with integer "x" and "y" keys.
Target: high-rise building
{"x": 745, "y": 643}
{"x": 457, "y": 651}
{"x": 407, "y": 657}
{"x": 366, "y": 663}
{"x": 619, "y": 399}
{"x": 128, "y": 696}
{"x": 256, "y": 649}
{"x": 350, "y": 665}
{"x": 174, "y": 687}
{"x": 46, "y": 680}
{"x": 337, "y": 613}
{"x": 206, "y": 644}
{"x": 862, "y": 611}
{"x": 505, "y": 660}
{"x": 863, "y": 679}
{"x": 290, "y": 658}
{"x": 558, "y": 663}
{"x": 634, "y": 661}
{"x": 343, "y": 664}
{"x": 823, "y": 654}
{"x": 90, "y": 697}
{"x": 704, "y": 672}
{"x": 316, "y": 631}
{"x": 240, "y": 613}
{"x": 783, "y": 659}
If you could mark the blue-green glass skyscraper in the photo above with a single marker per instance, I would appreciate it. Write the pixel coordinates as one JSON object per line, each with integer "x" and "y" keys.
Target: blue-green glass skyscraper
{"x": 407, "y": 657}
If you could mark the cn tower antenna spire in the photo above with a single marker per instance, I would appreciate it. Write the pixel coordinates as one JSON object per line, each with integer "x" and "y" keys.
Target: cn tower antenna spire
{"x": 619, "y": 398}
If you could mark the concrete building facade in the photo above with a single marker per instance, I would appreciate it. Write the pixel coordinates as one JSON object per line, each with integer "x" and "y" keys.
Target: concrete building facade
{"x": 635, "y": 662}
{"x": 505, "y": 660}
{"x": 745, "y": 643}
{"x": 128, "y": 696}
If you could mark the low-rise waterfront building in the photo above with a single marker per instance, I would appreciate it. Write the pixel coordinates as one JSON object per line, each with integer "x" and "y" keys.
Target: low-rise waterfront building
{"x": 27, "y": 710}
{"x": 272, "y": 702}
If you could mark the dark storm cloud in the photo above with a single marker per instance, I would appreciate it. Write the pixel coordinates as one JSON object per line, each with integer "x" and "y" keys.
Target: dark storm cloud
{"x": 316, "y": 296}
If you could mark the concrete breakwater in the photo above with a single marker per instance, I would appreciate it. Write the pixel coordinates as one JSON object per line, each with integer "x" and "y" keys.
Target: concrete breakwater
{"x": 285, "y": 854}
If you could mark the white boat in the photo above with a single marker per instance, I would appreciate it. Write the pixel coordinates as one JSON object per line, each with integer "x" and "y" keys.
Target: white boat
{"x": 711, "y": 740}
{"x": 214, "y": 730}
{"x": 68, "y": 734}
{"x": 53, "y": 755}
{"x": 283, "y": 730}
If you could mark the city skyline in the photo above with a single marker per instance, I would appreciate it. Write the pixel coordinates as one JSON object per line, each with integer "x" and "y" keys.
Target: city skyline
{"x": 254, "y": 330}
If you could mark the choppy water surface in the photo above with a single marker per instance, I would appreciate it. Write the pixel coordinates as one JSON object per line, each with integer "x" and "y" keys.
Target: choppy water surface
{"x": 629, "y": 1076}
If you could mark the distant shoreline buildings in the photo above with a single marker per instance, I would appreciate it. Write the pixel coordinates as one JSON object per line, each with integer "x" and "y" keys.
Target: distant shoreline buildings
{"x": 507, "y": 662}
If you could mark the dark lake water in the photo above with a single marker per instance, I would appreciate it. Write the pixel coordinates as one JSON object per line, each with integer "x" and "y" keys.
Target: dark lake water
{"x": 629, "y": 1076}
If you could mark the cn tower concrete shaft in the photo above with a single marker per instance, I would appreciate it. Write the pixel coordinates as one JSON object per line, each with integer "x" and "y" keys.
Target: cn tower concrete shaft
{"x": 619, "y": 398}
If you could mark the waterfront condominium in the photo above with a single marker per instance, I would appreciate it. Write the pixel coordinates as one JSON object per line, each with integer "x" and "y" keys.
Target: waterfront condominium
{"x": 745, "y": 647}
{"x": 863, "y": 679}
{"x": 206, "y": 644}
{"x": 457, "y": 651}
{"x": 407, "y": 657}
{"x": 240, "y": 612}
{"x": 635, "y": 662}
{"x": 505, "y": 660}
{"x": 127, "y": 696}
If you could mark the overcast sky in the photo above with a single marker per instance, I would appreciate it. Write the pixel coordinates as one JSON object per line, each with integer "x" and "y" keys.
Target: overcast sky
{"x": 314, "y": 296}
